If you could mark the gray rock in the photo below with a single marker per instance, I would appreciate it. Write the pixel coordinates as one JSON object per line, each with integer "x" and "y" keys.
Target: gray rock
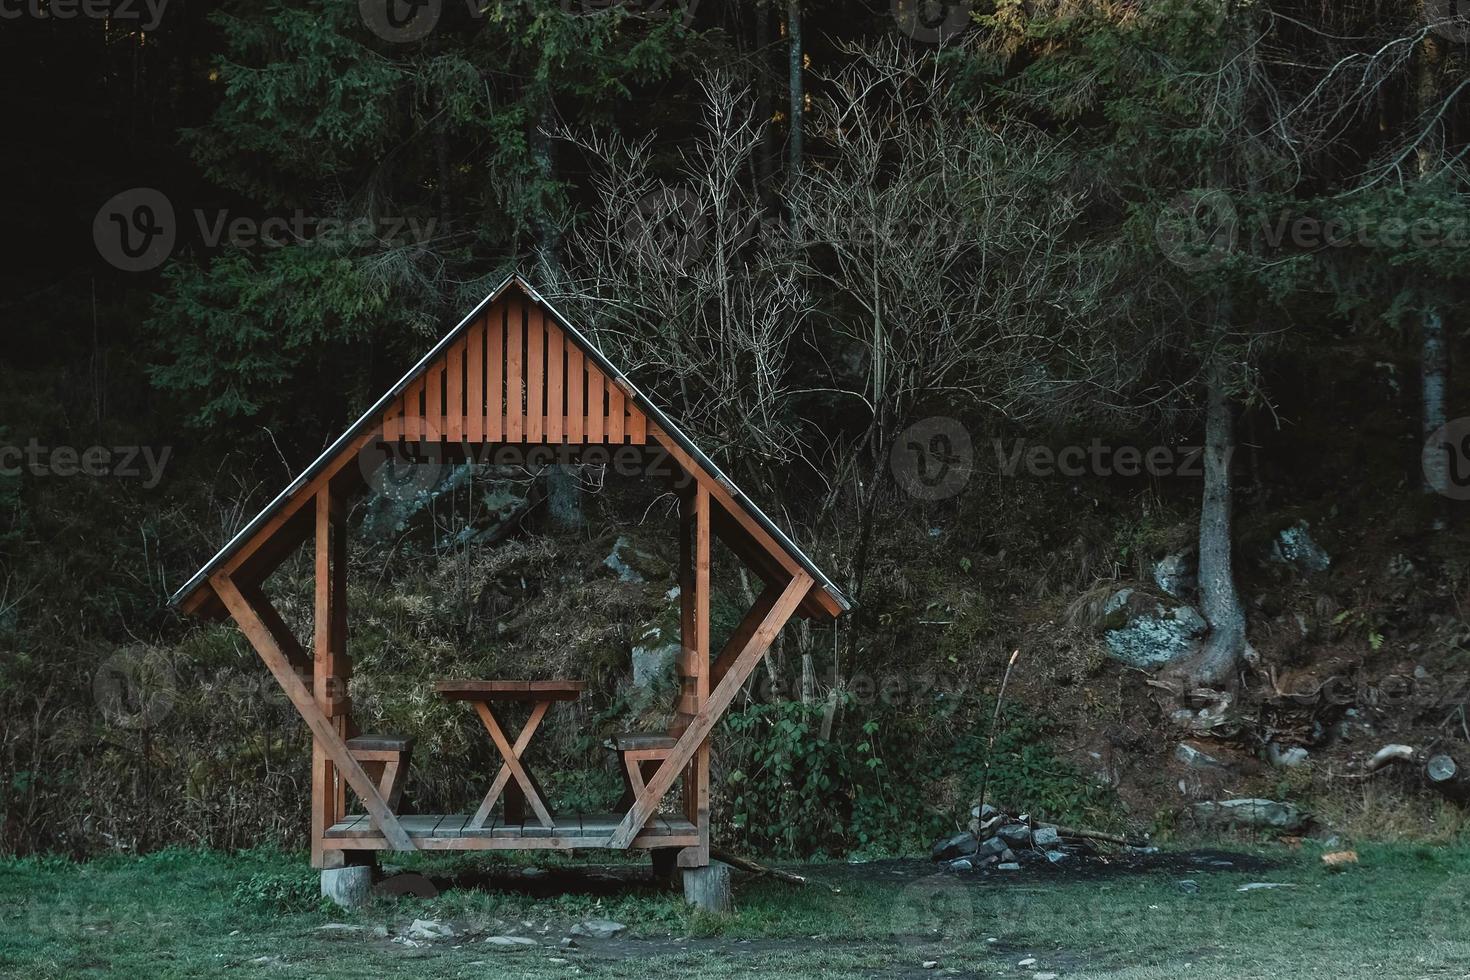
{"x": 1188, "y": 886}
{"x": 634, "y": 566}
{"x": 653, "y": 657}
{"x": 1146, "y": 634}
{"x": 1045, "y": 837}
{"x": 512, "y": 942}
{"x": 1176, "y": 575}
{"x": 1251, "y": 813}
{"x": 959, "y": 845}
{"x": 1008, "y": 866}
{"x": 1288, "y": 758}
{"x": 1294, "y": 546}
{"x": 994, "y": 847}
{"x": 1015, "y": 834}
{"x": 1056, "y": 857}
{"x": 1196, "y": 759}
{"x": 961, "y": 864}
{"x": 428, "y": 929}
{"x": 598, "y": 929}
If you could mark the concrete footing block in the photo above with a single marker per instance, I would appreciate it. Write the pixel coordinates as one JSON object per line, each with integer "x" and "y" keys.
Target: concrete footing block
{"x": 350, "y": 887}
{"x": 708, "y": 888}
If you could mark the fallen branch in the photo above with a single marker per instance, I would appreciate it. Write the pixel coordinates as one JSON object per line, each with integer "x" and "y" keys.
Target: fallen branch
{"x": 1388, "y": 755}
{"x": 745, "y": 864}
{"x": 1080, "y": 834}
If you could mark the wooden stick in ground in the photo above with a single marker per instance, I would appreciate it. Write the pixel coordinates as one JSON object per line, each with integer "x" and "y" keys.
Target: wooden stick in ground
{"x": 994, "y": 722}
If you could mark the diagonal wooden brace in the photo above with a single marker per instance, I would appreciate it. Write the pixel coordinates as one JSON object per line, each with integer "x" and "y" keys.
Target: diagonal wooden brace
{"x": 704, "y": 722}
{"x": 511, "y": 766}
{"x": 255, "y": 630}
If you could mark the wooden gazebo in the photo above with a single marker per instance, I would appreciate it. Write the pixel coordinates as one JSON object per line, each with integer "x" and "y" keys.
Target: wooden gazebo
{"x": 513, "y": 373}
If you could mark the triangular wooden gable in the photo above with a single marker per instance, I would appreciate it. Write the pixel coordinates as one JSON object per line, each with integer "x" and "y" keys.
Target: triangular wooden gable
{"x": 513, "y": 372}
{"x": 514, "y": 376}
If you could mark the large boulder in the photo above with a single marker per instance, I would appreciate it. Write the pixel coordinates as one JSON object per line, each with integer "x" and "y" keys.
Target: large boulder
{"x": 656, "y": 645}
{"x": 1263, "y": 814}
{"x": 634, "y": 565}
{"x": 1144, "y": 633}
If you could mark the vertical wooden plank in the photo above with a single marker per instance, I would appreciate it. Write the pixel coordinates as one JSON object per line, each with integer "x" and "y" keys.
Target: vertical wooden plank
{"x": 615, "y": 412}
{"x": 323, "y": 794}
{"x": 434, "y": 403}
{"x": 393, "y": 421}
{"x": 514, "y": 371}
{"x": 475, "y": 385}
{"x": 454, "y": 393}
{"x": 596, "y": 406}
{"x": 412, "y": 413}
{"x": 555, "y": 384}
{"x": 687, "y": 656}
{"x": 700, "y": 789}
{"x": 637, "y": 425}
{"x": 535, "y": 373}
{"x": 495, "y": 376}
{"x": 576, "y": 389}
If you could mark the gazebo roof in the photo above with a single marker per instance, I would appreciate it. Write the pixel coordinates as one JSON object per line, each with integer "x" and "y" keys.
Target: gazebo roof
{"x": 285, "y": 523}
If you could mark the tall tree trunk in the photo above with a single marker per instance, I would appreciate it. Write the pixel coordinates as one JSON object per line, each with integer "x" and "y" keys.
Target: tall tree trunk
{"x": 798, "y": 96}
{"x": 1434, "y": 369}
{"x": 765, "y": 155}
{"x": 1434, "y": 366}
{"x": 563, "y": 489}
{"x": 1218, "y": 599}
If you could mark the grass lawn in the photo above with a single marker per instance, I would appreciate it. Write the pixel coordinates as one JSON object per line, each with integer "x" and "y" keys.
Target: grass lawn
{"x": 1404, "y": 911}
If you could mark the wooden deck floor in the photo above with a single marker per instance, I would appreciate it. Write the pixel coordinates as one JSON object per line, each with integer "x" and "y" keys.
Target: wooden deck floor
{"x": 573, "y": 830}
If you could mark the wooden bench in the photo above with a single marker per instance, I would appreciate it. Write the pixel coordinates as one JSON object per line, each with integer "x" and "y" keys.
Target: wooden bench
{"x": 385, "y": 759}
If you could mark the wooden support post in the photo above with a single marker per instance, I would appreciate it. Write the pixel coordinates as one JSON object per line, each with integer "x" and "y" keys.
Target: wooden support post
{"x": 703, "y": 724}
{"x": 328, "y": 795}
{"x": 249, "y": 621}
{"x": 697, "y": 786}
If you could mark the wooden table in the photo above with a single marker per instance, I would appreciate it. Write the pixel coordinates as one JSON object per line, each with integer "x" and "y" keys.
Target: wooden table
{"x": 483, "y": 695}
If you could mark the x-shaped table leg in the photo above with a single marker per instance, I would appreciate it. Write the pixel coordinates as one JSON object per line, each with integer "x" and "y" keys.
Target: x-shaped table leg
{"x": 512, "y": 765}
